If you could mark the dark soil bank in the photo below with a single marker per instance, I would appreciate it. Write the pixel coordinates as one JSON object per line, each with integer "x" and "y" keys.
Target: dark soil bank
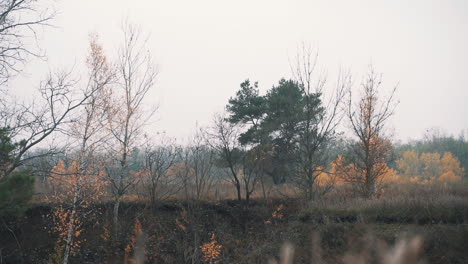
{"x": 180, "y": 232}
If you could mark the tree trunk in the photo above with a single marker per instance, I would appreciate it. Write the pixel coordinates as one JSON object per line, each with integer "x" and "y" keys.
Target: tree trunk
{"x": 153, "y": 196}
{"x": 238, "y": 187}
{"x": 263, "y": 188}
{"x": 71, "y": 227}
{"x": 116, "y": 215}
{"x": 71, "y": 230}
{"x": 371, "y": 187}
{"x": 247, "y": 193}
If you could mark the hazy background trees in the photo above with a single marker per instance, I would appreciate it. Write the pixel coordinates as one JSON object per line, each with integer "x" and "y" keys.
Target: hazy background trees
{"x": 159, "y": 180}
{"x": 428, "y": 166}
{"x": 196, "y": 168}
{"x": 436, "y": 141}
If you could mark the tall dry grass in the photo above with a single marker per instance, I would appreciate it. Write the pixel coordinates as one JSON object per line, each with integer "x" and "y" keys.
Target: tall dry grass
{"x": 405, "y": 251}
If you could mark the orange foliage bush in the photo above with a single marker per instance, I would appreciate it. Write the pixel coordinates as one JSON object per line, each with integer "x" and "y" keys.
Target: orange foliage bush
{"x": 73, "y": 188}
{"x": 211, "y": 251}
{"x": 428, "y": 167}
{"x": 449, "y": 176}
{"x": 391, "y": 176}
{"x": 65, "y": 182}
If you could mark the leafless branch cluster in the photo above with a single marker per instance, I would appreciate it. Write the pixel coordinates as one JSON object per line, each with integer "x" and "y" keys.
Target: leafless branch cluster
{"x": 368, "y": 119}
{"x": 30, "y": 124}
{"x": 20, "y": 21}
{"x": 196, "y": 169}
{"x": 318, "y": 130}
{"x": 223, "y": 138}
{"x": 159, "y": 179}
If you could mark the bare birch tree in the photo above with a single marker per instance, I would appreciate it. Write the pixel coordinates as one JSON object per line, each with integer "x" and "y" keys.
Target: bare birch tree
{"x": 136, "y": 74}
{"x": 88, "y": 131}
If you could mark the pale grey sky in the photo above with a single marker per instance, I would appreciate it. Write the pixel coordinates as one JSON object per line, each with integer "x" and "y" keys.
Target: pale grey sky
{"x": 206, "y": 48}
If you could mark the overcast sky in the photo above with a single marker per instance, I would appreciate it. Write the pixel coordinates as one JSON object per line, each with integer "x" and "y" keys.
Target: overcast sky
{"x": 206, "y": 48}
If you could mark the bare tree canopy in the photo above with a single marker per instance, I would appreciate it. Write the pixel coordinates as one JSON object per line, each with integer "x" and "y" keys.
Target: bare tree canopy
{"x": 321, "y": 118}
{"x": 223, "y": 138}
{"x": 372, "y": 150}
{"x": 159, "y": 159}
{"x": 126, "y": 115}
{"x": 30, "y": 124}
{"x": 19, "y": 24}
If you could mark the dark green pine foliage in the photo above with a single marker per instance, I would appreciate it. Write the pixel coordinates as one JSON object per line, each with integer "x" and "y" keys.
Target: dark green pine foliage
{"x": 284, "y": 108}
{"x": 16, "y": 188}
{"x": 282, "y": 123}
{"x": 15, "y": 193}
{"x": 248, "y": 108}
{"x": 6, "y": 150}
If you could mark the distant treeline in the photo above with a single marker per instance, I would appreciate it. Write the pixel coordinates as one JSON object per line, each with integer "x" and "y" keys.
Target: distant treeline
{"x": 437, "y": 142}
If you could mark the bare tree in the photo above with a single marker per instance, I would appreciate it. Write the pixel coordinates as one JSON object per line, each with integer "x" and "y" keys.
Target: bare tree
{"x": 159, "y": 160}
{"x": 252, "y": 172}
{"x": 223, "y": 137}
{"x": 196, "y": 167}
{"x": 19, "y": 22}
{"x": 31, "y": 124}
{"x": 368, "y": 119}
{"x": 320, "y": 121}
{"x": 126, "y": 114}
